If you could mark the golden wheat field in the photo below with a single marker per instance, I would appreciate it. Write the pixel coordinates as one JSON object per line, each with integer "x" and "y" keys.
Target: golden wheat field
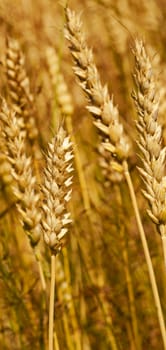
{"x": 82, "y": 175}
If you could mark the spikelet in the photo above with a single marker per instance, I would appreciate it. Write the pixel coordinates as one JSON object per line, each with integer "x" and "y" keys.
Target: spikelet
{"x": 111, "y": 170}
{"x": 19, "y": 87}
{"x": 5, "y": 168}
{"x": 61, "y": 90}
{"x": 153, "y": 155}
{"x": 24, "y": 185}
{"x": 106, "y": 115}
{"x": 56, "y": 191}
{"x": 159, "y": 70}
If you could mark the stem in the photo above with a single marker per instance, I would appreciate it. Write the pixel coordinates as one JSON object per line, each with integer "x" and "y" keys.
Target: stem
{"x": 51, "y": 308}
{"x": 68, "y": 336}
{"x": 147, "y": 254}
{"x": 81, "y": 175}
{"x": 130, "y": 292}
{"x": 164, "y": 247}
{"x": 42, "y": 278}
{"x": 56, "y": 344}
{"x": 101, "y": 302}
{"x": 134, "y": 336}
{"x": 61, "y": 291}
{"x": 71, "y": 307}
{"x": 41, "y": 273}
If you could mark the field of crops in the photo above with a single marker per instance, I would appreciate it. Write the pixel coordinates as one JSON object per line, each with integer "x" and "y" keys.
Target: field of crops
{"x": 82, "y": 175}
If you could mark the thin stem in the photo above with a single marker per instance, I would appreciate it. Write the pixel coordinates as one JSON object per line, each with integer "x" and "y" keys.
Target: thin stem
{"x": 130, "y": 292}
{"x": 61, "y": 291}
{"x": 101, "y": 302}
{"x": 68, "y": 336}
{"x": 135, "y": 337}
{"x": 51, "y": 308}
{"x": 71, "y": 307}
{"x": 41, "y": 273}
{"x": 56, "y": 344}
{"x": 164, "y": 248}
{"x": 81, "y": 175}
{"x": 147, "y": 254}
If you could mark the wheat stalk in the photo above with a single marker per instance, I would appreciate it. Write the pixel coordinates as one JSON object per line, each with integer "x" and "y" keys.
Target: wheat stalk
{"x": 106, "y": 115}
{"x": 152, "y": 153}
{"x": 56, "y": 192}
{"x": 65, "y": 106}
{"x": 65, "y": 298}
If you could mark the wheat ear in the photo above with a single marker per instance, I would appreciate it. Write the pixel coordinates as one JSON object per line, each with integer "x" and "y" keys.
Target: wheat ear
{"x": 24, "y": 183}
{"x": 56, "y": 192}
{"x": 65, "y": 104}
{"x": 61, "y": 90}
{"x": 152, "y": 154}
{"x": 19, "y": 87}
{"x": 105, "y": 113}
